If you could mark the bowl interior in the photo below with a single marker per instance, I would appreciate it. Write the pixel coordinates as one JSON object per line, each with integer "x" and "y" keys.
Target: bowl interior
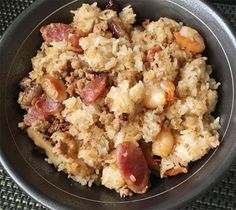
{"x": 21, "y": 65}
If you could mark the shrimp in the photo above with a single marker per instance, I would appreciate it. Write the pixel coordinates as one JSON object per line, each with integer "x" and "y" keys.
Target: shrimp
{"x": 159, "y": 94}
{"x": 190, "y": 39}
{"x": 169, "y": 88}
{"x": 163, "y": 144}
{"x": 154, "y": 96}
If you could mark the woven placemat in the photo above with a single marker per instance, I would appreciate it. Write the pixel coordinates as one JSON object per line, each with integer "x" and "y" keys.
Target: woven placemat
{"x": 222, "y": 196}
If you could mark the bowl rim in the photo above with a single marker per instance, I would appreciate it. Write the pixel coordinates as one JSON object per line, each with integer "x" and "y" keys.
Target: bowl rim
{"x": 39, "y": 197}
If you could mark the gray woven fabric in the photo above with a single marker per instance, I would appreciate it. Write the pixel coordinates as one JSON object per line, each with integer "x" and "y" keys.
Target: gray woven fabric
{"x": 222, "y": 196}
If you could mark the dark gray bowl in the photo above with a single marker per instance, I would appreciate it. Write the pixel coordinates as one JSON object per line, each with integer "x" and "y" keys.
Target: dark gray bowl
{"x": 40, "y": 180}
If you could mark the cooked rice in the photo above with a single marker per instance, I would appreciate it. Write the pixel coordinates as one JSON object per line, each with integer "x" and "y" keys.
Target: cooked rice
{"x": 85, "y": 148}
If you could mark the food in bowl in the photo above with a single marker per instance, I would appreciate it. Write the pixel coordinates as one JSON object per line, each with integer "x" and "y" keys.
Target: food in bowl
{"x": 111, "y": 102}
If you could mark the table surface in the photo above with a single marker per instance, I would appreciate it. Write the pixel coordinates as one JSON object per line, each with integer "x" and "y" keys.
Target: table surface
{"x": 222, "y": 196}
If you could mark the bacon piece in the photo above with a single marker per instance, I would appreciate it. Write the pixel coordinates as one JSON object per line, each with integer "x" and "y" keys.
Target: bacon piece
{"x": 74, "y": 42}
{"x": 32, "y": 116}
{"x": 94, "y": 89}
{"x": 56, "y": 32}
{"x": 47, "y": 106}
{"x": 61, "y": 32}
{"x": 42, "y": 108}
{"x": 133, "y": 167}
{"x": 151, "y": 53}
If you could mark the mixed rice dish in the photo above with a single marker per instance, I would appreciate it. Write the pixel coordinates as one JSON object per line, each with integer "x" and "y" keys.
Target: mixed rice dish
{"x": 111, "y": 102}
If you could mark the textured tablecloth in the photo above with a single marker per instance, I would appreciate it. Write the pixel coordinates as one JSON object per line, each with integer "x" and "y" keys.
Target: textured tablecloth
{"x": 222, "y": 196}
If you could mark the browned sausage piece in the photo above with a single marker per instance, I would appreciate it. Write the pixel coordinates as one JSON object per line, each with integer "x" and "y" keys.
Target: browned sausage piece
{"x": 74, "y": 42}
{"x": 94, "y": 89}
{"x": 56, "y": 32}
{"x": 29, "y": 94}
{"x": 42, "y": 108}
{"x": 54, "y": 88}
{"x": 117, "y": 28}
{"x": 133, "y": 167}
